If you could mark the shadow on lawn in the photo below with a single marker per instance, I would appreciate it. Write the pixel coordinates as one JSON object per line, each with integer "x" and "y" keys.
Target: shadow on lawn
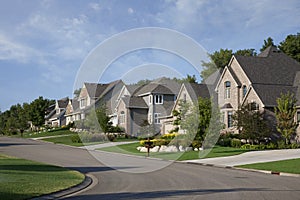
{"x": 166, "y": 194}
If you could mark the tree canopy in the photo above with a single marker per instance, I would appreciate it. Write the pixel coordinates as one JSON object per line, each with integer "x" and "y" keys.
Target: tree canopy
{"x": 291, "y": 46}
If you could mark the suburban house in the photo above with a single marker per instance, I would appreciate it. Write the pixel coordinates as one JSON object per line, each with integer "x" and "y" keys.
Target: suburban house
{"x": 56, "y": 116}
{"x": 146, "y": 104}
{"x": 189, "y": 93}
{"x": 92, "y": 94}
{"x": 258, "y": 81}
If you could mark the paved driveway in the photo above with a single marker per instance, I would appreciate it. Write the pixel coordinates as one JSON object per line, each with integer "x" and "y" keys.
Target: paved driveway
{"x": 172, "y": 181}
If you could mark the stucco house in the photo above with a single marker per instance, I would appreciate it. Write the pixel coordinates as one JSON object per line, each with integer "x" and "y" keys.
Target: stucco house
{"x": 259, "y": 81}
{"x": 56, "y": 116}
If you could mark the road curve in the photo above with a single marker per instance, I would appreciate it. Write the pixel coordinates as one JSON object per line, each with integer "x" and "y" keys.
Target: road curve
{"x": 174, "y": 181}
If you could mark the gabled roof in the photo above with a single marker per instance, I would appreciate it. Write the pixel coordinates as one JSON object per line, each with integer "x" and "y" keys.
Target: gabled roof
{"x": 269, "y": 93}
{"x": 159, "y": 86}
{"x": 95, "y": 89}
{"x": 134, "y": 102}
{"x": 197, "y": 90}
{"x": 62, "y": 103}
{"x": 270, "y": 67}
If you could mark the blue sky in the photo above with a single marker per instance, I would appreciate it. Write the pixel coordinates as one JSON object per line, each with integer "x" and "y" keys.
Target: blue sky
{"x": 44, "y": 42}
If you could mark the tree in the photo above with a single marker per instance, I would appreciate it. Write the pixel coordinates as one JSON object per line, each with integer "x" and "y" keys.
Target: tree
{"x": 221, "y": 58}
{"x": 251, "y": 123}
{"x": 37, "y": 110}
{"x": 246, "y": 52}
{"x": 97, "y": 120}
{"x": 291, "y": 46}
{"x": 268, "y": 42}
{"x": 77, "y": 92}
{"x": 204, "y": 109}
{"x": 285, "y": 113}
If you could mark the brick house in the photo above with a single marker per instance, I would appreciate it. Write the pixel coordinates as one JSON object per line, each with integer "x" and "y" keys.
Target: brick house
{"x": 259, "y": 81}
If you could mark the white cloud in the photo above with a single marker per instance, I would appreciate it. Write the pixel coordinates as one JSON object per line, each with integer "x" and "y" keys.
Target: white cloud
{"x": 95, "y": 6}
{"x": 10, "y": 50}
{"x": 130, "y": 11}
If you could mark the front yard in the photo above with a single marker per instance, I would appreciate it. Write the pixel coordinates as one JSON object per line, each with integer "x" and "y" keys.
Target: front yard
{"x": 24, "y": 179}
{"x": 217, "y": 151}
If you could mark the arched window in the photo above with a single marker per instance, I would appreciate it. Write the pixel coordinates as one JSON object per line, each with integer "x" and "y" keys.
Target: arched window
{"x": 227, "y": 89}
{"x": 244, "y": 90}
{"x": 122, "y": 117}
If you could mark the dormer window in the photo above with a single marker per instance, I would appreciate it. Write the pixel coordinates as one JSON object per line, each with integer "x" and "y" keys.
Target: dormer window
{"x": 158, "y": 99}
{"x": 244, "y": 90}
{"x": 227, "y": 89}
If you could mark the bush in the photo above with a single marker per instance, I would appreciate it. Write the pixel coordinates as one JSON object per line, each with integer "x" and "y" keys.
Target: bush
{"x": 235, "y": 143}
{"x": 76, "y": 139}
{"x": 93, "y": 137}
{"x": 196, "y": 144}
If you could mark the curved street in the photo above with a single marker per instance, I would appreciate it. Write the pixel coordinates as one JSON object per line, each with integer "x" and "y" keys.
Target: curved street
{"x": 129, "y": 177}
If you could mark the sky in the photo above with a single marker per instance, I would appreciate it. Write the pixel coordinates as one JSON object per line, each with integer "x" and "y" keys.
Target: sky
{"x": 44, "y": 44}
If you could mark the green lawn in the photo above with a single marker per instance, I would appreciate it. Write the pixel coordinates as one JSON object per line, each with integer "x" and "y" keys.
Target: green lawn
{"x": 45, "y": 134}
{"x": 288, "y": 166}
{"x": 24, "y": 179}
{"x": 217, "y": 151}
{"x": 67, "y": 140}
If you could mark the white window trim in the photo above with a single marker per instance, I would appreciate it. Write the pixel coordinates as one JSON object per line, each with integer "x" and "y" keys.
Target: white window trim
{"x": 156, "y": 99}
{"x": 156, "y": 118}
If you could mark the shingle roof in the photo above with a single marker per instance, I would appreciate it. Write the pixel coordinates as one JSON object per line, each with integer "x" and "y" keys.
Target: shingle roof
{"x": 270, "y": 67}
{"x": 197, "y": 90}
{"x": 134, "y": 102}
{"x": 269, "y": 93}
{"x": 95, "y": 89}
{"x": 160, "y": 86}
{"x": 62, "y": 103}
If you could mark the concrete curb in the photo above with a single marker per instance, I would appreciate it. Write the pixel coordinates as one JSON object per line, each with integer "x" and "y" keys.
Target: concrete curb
{"x": 244, "y": 169}
{"x": 87, "y": 184}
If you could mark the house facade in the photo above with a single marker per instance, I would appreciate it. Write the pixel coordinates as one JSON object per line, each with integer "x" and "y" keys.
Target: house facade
{"x": 257, "y": 81}
{"x": 56, "y": 116}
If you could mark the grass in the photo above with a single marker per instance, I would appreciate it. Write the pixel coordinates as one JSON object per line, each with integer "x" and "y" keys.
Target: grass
{"x": 24, "y": 179}
{"x": 217, "y": 151}
{"x": 46, "y": 134}
{"x": 288, "y": 166}
{"x": 67, "y": 140}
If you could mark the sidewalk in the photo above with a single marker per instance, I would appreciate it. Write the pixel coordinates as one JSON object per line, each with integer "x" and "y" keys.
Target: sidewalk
{"x": 107, "y": 144}
{"x": 250, "y": 157}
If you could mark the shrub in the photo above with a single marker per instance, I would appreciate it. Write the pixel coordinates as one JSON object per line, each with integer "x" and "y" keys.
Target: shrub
{"x": 76, "y": 139}
{"x": 169, "y": 136}
{"x": 235, "y": 143}
{"x": 281, "y": 144}
{"x": 93, "y": 137}
{"x": 196, "y": 144}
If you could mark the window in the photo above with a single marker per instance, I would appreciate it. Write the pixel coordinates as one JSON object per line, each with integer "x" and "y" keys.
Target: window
{"x": 150, "y": 99}
{"x": 122, "y": 117}
{"x": 229, "y": 119}
{"x": 254, "y": 106}
{"x": 82, "y": 103}
{"x": 227, "y": 89}
{"x": 175, "y": 97}
{"x": 244, "y": 90}
{"x": 156, "y": 118}
{"x": 158, "y": 99}
{"x": 298, "y": 117}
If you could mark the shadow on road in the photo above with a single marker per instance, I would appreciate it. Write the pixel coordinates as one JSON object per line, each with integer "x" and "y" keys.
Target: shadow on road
{"x": 97, "y": 169}
{"x": 165, "y": 194}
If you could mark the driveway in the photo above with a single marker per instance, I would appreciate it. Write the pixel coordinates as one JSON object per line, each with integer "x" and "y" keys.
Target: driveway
{"x": 128, "y": 177}
{"x": 251, "y": 157}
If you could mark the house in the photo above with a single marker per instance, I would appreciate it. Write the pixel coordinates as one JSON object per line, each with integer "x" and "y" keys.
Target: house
{"x": 189, "y": 93}
{"x": 56, "y": 116}
{"x": 91, "y": 95}
{"x": 146, "y": 104}
{"x": 258, "y": 81}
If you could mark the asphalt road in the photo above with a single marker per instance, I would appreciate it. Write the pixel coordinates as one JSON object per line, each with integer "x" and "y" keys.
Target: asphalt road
{"x": 129, "y": 177}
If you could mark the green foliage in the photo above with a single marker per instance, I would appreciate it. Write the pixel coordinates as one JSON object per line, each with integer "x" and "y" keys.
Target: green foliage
{"x": 76, "y": 139}
{"x": 246, "y": 52}
{"x": 291, "y": 46}
{"x": 77, "y": 92}
{"x": 235, "y": 143}
{"x": 251, "y": 123}
{"x": 285, "y": 113}
{"x": 268, "y": 42}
